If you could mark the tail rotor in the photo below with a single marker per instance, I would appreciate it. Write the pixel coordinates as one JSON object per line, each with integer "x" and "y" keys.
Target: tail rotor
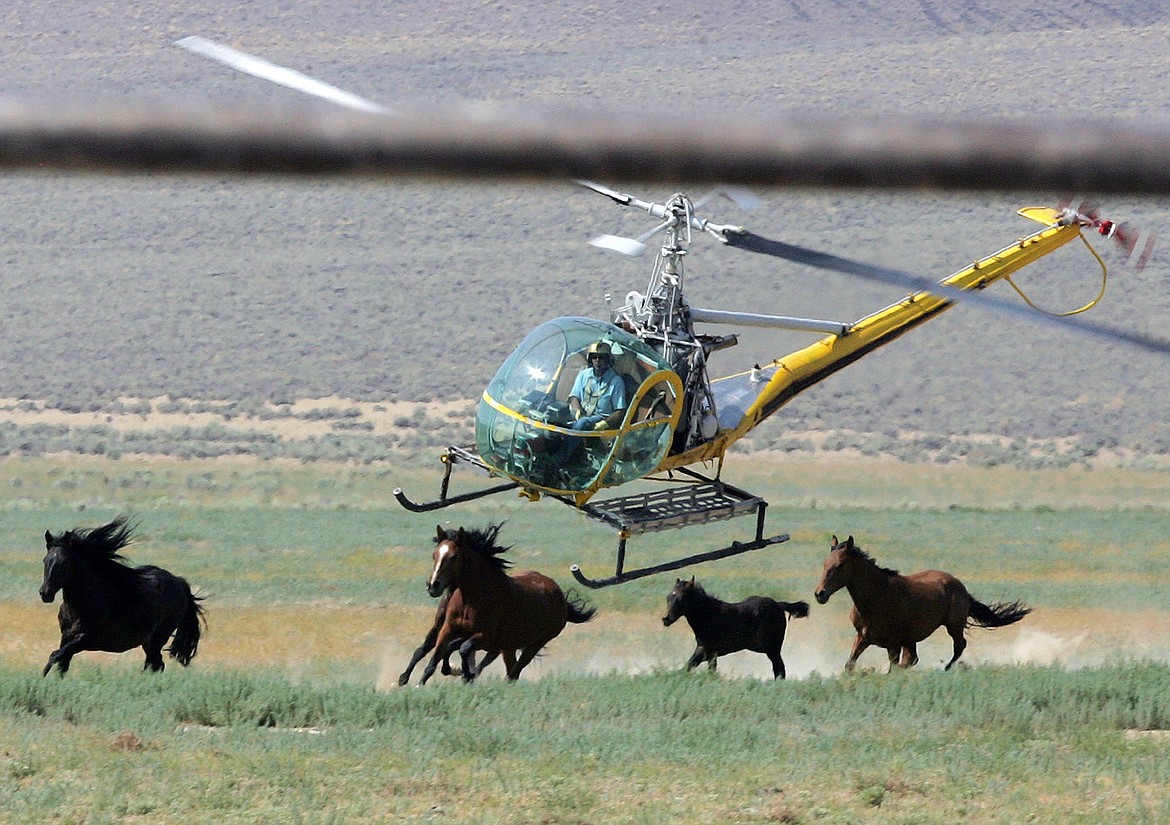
{"x": 1135, "y": 243}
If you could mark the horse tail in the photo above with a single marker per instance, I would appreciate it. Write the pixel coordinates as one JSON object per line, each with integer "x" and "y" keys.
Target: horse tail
{"x": 996, "y": 615}
{"x": 797, "y": 610}
{"x": 185, "y": 644}
{"x": 580, "y": 611}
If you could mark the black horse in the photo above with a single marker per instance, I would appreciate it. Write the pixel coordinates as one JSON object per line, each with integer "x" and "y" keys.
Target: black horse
{"x": 108, "y": 605}
{"x": 757, "y": 624}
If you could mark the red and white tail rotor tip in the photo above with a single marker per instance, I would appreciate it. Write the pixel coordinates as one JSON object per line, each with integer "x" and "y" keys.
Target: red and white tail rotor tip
{"x": 1137, "y": 244}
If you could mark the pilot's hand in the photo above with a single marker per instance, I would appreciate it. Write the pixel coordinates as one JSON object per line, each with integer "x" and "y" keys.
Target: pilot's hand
{"x": 601, "y": 425}
{"x": 577, "y": 413}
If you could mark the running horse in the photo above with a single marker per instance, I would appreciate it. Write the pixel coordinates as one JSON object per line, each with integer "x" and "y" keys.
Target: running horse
{"x": 452, "y": 602}
{"x": 108, "y": 605}
{"x": 757, "y": 624}
{"x": 897, "y": 612}
{"x": 513, "y": 616}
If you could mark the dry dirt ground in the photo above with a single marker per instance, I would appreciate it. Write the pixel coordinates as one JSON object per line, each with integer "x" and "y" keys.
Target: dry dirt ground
{"x": 364, "y": 640}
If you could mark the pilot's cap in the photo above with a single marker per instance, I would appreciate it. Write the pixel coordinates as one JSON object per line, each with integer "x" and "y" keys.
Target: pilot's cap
{"x": 599, "y": 348}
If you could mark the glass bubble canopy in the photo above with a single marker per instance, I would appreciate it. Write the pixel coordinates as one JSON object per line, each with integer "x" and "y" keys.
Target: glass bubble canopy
{"x": 522, "y": 425}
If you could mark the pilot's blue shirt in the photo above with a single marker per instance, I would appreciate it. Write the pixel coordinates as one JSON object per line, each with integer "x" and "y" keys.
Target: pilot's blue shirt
{"x": 600, "y": 397}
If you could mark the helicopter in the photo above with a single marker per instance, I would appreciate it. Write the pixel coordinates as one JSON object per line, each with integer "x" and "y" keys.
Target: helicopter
{"x": 676, "y": 412}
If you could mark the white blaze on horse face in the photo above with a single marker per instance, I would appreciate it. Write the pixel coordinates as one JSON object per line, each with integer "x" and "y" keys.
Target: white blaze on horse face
{"x": 440, "y": 554}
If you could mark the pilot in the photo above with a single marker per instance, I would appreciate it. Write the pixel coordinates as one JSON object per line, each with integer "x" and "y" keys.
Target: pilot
{"x": 598, "y": 398}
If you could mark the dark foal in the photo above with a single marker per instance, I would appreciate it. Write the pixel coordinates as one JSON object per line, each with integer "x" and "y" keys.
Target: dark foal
{"x": 756, "y": 624}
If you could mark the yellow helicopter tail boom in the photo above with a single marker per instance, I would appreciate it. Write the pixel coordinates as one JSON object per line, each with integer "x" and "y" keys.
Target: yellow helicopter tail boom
{"x": 793, "y": 373}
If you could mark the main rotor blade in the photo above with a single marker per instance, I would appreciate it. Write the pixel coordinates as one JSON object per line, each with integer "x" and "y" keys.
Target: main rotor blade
{"x": 744, "y": 198}
{"x": 751, "y": 242}
{"x": 282, "y": 76}
{"x": 614, "y": 195}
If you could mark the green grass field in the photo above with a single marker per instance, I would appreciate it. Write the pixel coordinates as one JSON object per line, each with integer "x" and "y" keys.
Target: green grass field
{"x": 314, "y": 581}
{"x": 985, "y": 745}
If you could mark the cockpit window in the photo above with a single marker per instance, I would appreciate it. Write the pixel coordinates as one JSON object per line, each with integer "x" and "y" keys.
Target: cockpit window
{"x": 524, "y": 425}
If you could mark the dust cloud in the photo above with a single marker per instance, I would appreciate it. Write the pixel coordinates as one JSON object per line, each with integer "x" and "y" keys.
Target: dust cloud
{"x": 621, "y": 644}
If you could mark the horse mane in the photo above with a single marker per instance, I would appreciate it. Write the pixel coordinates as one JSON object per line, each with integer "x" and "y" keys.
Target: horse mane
{"x": 101, "y": 545}
{"x": 889, "y": 571}
{"x": 483, "y": 542}
{"x": 700, "y": 592}
{"x": 697, "y": 592}
{"x": 98, "y": 543}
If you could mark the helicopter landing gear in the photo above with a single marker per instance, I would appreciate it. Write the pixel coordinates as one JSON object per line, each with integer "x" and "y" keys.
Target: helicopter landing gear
{"x": 695, "y": 499}
{"x": 698, "y": 501}
{"x": 453, "y": 456}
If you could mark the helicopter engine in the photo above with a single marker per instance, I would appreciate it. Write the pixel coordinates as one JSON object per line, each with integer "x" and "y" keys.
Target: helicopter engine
{"x": 662, "y": 319}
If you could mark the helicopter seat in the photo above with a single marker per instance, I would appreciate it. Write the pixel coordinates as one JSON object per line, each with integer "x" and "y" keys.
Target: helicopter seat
{"x": 633, "y": 373}
{"x": 573, "y": 365}
{"x": 653, "y": 405}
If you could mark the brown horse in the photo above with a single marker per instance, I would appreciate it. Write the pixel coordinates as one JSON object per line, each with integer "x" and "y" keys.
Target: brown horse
{"x": 451, "y": 603}
{"x": 428, "y": 643}
{"x": 897, "y": 612}
{"x": 513, "y": 616}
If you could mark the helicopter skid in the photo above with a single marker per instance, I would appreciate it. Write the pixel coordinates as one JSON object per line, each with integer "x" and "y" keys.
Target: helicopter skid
{"x": 453, "y": 456}
{"x": 621, "y": 576}
{"x": 447, "y": 501}
{"x": 698, "y": 499}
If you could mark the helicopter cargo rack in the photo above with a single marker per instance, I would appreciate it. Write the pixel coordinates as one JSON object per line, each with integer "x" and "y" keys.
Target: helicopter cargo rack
{"x": 691, "y": 500}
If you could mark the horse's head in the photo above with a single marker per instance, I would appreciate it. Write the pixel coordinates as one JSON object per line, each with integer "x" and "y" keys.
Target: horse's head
{"x": 83, "y": 552}
{"x": 466, "y": 554}
{"x": 447, "y": 560}
{"x": 56, "y": 566}
{"x": 679, "y": 600}
{"x": 836, "y": 568}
